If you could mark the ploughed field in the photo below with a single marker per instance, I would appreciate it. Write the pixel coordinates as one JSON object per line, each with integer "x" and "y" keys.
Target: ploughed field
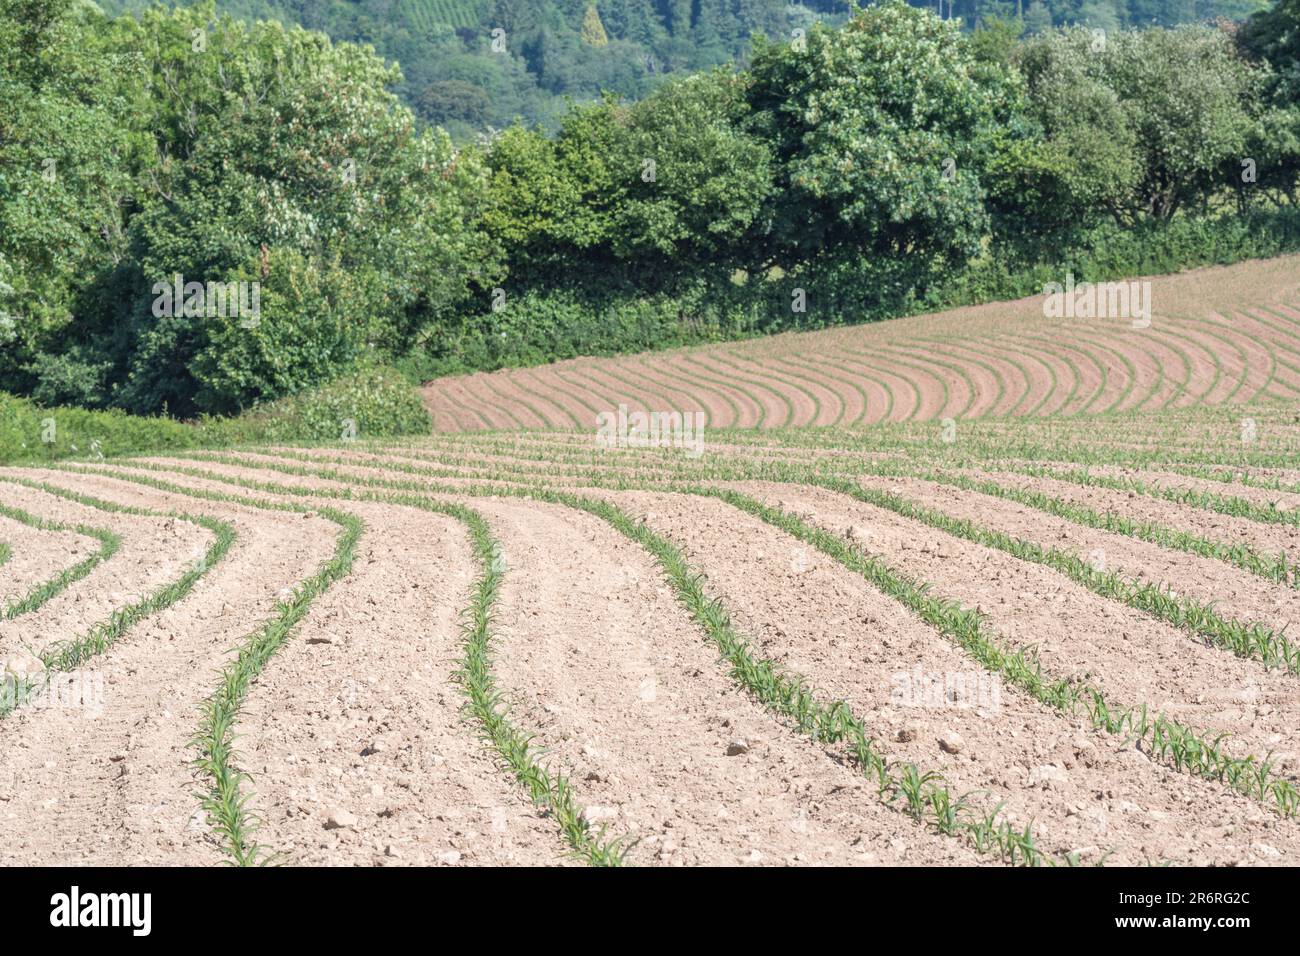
{"x": 1052, "y": 641}
{"x": 1215, "y": 336}
{"x": 1009, "y": 640}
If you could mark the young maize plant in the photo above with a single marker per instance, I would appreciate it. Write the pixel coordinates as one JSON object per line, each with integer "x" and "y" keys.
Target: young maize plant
{"x": 65, "y": 654}
{"x": 786, "y": 694}
{"x": 226, "y": 799}
{"x": 407, "y": 475}
{"x": 1180, "y": 746}
{"x": 38, "y": 594}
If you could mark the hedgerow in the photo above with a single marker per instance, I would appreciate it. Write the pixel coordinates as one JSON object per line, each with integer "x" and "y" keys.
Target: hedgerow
{"x": 372, "y": 402}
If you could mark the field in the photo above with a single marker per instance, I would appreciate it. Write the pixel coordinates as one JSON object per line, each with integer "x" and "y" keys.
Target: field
{"x": 1027, "y": 598}
{"x": 1217, "y": 336}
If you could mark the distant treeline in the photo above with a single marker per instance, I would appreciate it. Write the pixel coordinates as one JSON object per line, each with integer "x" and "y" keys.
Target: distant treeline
{"x": 456, "y": 77}
{"x": 198, "y": 214}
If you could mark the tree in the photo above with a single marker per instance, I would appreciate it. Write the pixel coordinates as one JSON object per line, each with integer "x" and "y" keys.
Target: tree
{"x": 66, "y": 153}
{"x": 1138, "y": 125}
{"x": 696, "y": 184}
{"x": 877, "y": 130}
{"x": 1274, "y": 36}
{"x": 293, "y": 145}
{"x": 186, "y": 144}
{"x": 552, "y": 199}
{"x": 454, "y": 101}
{"x": 643, "y": 195}
{"x": 1038, "y": 19}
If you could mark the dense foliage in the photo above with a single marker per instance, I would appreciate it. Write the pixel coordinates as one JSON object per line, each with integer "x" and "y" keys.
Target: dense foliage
{"x": 183, "y": 145}
{"x": 373, "y": 402}
{"x": 887, "y": 165}
{"x": 198, "y": 215}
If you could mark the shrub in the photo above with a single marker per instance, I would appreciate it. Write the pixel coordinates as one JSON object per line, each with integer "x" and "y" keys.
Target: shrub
{"x": 377, "y": 401}
{"x": 543, "y": 325}
{"x": 310, "y": 329}
{"x": 31, "y": 433}
{"x": 1109, "y": 252}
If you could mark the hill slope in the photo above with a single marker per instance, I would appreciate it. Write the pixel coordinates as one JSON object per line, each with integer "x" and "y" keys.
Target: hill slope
{"x": 1217, "y": 335}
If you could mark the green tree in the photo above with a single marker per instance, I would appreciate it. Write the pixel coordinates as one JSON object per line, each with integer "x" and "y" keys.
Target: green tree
{"x": 1273, "y": 35}
{"x": 878, "y": 131}
{"x": 1137, "y": 125}
{"x": 696, "y": 186}
{"x": 553, "y": 198}
{"x": 1273, "y": 38}
{"x": 593, "y": 31}
{"x": 195, "y": 145}
{"x": 66, "y": 155}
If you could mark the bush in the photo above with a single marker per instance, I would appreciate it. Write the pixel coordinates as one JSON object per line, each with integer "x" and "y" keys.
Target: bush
{"x": 375, "y": 402}
{"x": 308, "y": 332}
{"x": 1109, "y": 252}
{"x": 29, "y": 432}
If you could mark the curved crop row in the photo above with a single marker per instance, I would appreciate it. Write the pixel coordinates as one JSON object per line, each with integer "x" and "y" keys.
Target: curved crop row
{"x": 64, "y": 655}
{"x": 39, "y": 593}
{"x": 1178, "y": 745}
{"x": 957, "y": 365}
